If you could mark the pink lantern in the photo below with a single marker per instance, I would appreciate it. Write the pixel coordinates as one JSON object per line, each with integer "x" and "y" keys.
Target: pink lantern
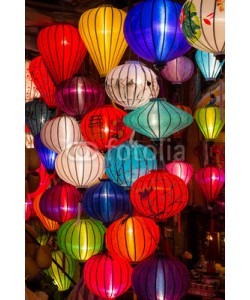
{"x": 180, "y": 169}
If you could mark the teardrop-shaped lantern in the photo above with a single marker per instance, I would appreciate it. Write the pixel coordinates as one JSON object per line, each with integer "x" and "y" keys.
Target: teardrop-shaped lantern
{"x": 158, "y": 119}
{"x": 131, "y": 85}
{"x": 31, "y": 90}
{"x": 41, "y": 77}
{"x": 181, "y": 169}
{"x": 62, "y": 50}
{"x": 211, "y": 180}
{"x": 82, "y": 238}
{"x": 209, "y": 121}
{"x": 179, "y": 134}
{"x": 79, "y": 95}
{"x": 101, "y": 29}
{"x": 152, "y": 31}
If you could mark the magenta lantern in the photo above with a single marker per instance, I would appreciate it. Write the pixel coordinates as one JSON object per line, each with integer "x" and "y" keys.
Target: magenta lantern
{"x": 180, "y": 169}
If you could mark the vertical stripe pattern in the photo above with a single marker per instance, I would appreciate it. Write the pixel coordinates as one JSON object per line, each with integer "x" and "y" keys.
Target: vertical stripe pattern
{"x": 181, "y": 169}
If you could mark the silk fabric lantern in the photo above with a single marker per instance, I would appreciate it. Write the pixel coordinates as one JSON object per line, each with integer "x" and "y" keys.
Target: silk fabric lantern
{"x": 179, "y": 134}
{"x": 62, "y": 50}
{"x": 181, "y": 169}
{"x": 31, "y": 90}
{"x": 101, "y": 29}
{"x": 131, "y": 85}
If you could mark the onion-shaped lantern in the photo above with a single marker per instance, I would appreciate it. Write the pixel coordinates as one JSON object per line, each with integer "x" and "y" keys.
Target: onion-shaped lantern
{"x": 101, "y": 29}
{"x": 211, "y": 180}
{"x": 31, "y": 90}
{"x": 152, "y": 31}
{"x": 62, "y": 50}
{"x": 160, "y": 278}
{"x": 61, "y": 133}
{"x": 159, "y": 195}
{"x": 129, "y": 161}
{"x": 106, "y": 201}
{"x": 179, "y": 134}
{"x": 104, "y": 127}
{"x": 209, "y": 121}
{"x": 131, "y": 85}
{"x": 158, "y": 119}
{"x": 181, "y": 169}
{"x": 106, "y": 276}
{"x": 80, "y": 165}
{"x": 132, "y": 238}
{"x": 79, "y": 95}
{"x": 81, "y": 239}
{"x": 37, "y": 225}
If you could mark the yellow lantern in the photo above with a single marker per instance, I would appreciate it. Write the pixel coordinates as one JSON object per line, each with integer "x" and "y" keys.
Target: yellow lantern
{"x": 101, "y": 29}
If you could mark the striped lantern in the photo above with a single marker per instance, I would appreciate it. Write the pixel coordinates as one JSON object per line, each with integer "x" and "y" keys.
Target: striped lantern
{"x": 31, "y": 90}
{"x": 131, "y": 85}
{"x": 37, "y": 225}
{"x": 181, "y": 169}
{"x": 179, "y": 134}
{"x": 81, "y": 238}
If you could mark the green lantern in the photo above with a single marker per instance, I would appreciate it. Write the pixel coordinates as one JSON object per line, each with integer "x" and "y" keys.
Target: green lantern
{"x": 158, "y": 119}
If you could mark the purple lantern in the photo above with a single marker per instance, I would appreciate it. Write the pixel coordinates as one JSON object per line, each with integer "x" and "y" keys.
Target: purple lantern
{"x": 79, "y": 95}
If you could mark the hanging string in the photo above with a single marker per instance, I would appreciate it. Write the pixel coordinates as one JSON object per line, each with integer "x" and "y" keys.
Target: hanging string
{"x": 131, "y": 140}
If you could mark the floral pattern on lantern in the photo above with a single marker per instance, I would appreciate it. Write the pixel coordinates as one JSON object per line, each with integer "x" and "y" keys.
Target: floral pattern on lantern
{"x": 31, "y": 90}
{"x": 181, "y": 169}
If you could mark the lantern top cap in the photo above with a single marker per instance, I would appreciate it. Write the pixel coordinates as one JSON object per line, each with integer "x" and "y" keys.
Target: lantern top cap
{"x": 157, "y": 99}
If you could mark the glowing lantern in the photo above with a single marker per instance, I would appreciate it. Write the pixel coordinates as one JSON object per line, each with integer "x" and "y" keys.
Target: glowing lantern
{"x": 132, "y": 238}
{"x": 131, "y": 85}
{"x": 180, "y": 169}
{"x": 62, "y": 50}
{"x": 31, "y": 90}
{"x": 101, "y": 29}
{"x": 82, "y": 238}
{"x": 179, "y": 134}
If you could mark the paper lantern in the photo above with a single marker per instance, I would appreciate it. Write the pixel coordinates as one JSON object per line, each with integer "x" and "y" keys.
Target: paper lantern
{"x": 61, "y": 133}
{"x": 211, "y": 180}
{"x": 179, "y": 134}
{"x": 106, "y": 201}
{"x": 158, "y": 119}
{"x": 203, "y": 24}
{"x": 104, "y": 127}
{"x": 153, "y": 32}
{"x": 132, "y": 238}
{"x": 159, "y": 195}
{"x": 79, "y": 95}
{"x": 31, "y": 90}
{"x": 41, "y": 77}
{"x": 178, "y": 70}
{"x": 101, "y": 29}
{"x": 66, "y": 263}
{"x": 131, "y": 85}
{"x": 209, "y": 66}
{"x": 181, "y": 169}
{"x": 60, "y": 202}
{"x": 80, "y": 165}
{"x": 209, "y": 121}
{"x": 81, "y": 239}
{"x": 106, "y": 276}
{"x": 160, "y": 278}
{"x": 62, "y": 50}
{"x": 129, "y": 161}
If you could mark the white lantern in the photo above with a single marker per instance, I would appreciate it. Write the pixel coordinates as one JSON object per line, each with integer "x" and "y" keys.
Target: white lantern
{"x": 29, "y": 140}
{"x": 31, "y": 90}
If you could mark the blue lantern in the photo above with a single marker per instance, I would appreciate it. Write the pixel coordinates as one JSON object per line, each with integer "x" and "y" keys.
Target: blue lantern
{"x": 209, "y": 66}
{"x": 129, "y": 161}
{"x": 152, "y": 31}
{"x": 106, "y": 202}
{"x": 47, "y": 156}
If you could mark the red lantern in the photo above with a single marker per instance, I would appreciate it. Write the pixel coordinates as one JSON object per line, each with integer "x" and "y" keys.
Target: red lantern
{"x": 105, "y": 128}
{"x": 107, "y": 277}
{"x": 159, "y": 195}
{"x": 180, "y": 169}
{"x": 28, "y": 209}
{"x": 41, "y": 77}
{"x": 62, "y": 50}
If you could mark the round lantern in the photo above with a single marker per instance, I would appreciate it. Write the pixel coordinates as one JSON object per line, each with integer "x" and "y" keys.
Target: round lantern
{"x": 159, "y": 195}
{"x": 153, "y": 32}
{"x": 158, "y": 119}
{"x": 209, "y": 66}
{"x": 79, "y": 95}
{"x": 104, "y": 127}
{"x": 132, "y": 238}
{"x": 41, "y": 77}
{"x": 209, "y": 121}
{"x": 203, "y": 24}
{"x": 131, "y": 85}
{"x": 31, "y": 90}
{"x": 60, "y": 202}
{"x": 106, "y": 201}
{"x": 179, "y": 134}
{"x": 80, "y": 165}
{"x": 129, "y": 161}
{"x": 62, "y": 50}
{"x": 211, "y": 180}
{"x": 178, "y": 70}
{"x": 82, "y": 238}
{"x": 66, "y": 263}
{"x": 181, "y": 169}
{"x": 160, "y": 278}
{"x": 61, "y": 133}
{"x": 106, "y": 276}
{"x": 101, "y": 29}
